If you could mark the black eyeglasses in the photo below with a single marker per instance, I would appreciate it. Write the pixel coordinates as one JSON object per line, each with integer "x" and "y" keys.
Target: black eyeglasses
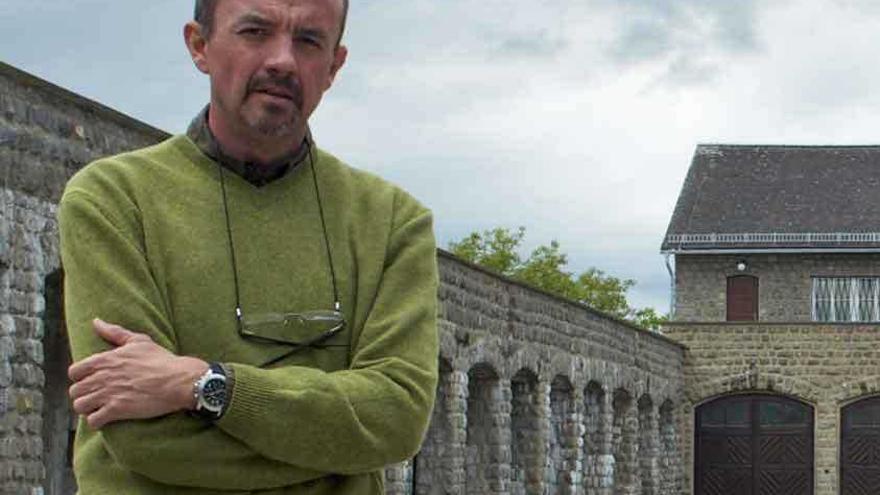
{"x": 296, "y": 329}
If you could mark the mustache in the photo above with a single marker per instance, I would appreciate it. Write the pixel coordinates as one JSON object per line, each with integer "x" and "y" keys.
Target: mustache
{"x": 280, "y": 85}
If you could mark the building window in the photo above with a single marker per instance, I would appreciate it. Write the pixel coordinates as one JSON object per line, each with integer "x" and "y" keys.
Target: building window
{"x": 742, "y": 298}
{"x": 846, "y": 299}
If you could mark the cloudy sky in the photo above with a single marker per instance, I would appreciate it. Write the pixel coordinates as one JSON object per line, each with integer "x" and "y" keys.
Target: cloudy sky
{"x": 576, "y": 119}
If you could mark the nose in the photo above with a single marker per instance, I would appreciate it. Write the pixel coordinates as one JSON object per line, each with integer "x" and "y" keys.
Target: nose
{"x": 281, "y": 58}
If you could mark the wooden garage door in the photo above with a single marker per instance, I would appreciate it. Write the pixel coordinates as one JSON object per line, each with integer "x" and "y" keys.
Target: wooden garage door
{"x": 860, "y": 448}
{"x": 754, "y": 445}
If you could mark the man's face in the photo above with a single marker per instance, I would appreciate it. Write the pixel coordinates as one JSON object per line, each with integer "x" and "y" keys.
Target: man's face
{"x": 270, "y": 62}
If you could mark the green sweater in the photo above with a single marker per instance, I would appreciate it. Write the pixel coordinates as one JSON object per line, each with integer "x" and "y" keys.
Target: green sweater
{"x": 144, "y": 244}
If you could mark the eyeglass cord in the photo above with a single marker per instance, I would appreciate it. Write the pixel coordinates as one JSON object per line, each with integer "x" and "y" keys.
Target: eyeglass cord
{"x": 336, "y": 304}
{"x": 238, "y": 312}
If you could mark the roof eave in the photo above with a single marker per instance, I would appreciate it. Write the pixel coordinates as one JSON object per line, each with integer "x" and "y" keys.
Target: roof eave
{"x": 770, "y": 250}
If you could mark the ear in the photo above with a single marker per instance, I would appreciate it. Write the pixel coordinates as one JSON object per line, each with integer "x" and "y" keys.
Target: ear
{"x": 340, "y": 54}
{"x": 196, "y": 44}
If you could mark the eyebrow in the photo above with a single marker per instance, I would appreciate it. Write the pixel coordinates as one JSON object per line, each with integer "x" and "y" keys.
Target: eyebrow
{"x": 252, "y": 18}
{"x": 312, "y": 33}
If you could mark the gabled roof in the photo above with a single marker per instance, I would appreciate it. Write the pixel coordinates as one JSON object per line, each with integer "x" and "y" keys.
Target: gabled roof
{"x": 748, "y": 197}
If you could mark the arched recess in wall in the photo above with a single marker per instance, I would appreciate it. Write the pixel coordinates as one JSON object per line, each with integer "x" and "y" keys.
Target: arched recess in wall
{"x": 669, "y": 456}
{"x": 624, "y": 443}
{"x": 432, "y": 467}
{"x": 58, "y": 421}
{"x": 485, "y": 434}
{"x": 648, "y": 440}
{"x": 527, "y": 456}
{"x": 860, "y": 447}
{"x": 597, "y": 438}
{"x": 562, "y": 439}
{"x": 760, "y": 441}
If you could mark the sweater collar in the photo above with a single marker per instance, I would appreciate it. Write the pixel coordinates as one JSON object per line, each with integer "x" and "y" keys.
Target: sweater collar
{"x": 257, "y": 174}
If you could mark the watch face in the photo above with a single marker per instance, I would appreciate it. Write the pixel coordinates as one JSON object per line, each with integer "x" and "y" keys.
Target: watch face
{"x": 214, "y": 393}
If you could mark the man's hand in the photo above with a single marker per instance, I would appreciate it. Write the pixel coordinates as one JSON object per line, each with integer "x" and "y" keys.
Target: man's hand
{"x": 139, "y": 379}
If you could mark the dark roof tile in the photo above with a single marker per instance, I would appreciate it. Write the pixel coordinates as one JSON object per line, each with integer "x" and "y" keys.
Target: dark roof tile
{"x": 740, "y": 189}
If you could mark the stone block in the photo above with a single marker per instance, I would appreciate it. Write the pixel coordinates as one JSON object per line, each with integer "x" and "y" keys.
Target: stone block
{"x": 27, "y": 375}
{"x": 7, "y": 323}
{"x": 27, "y": 281}
{"x": 32, "y": 350}
{"x": 25, "y": 327}
{"x": 35, "y": 425}
{"x": 7, "y": 348}
{"x": 36, "y": 304}
{"x": 34, "y": 471}
{"x": 6, "y": 377}
{"x": 18, "y": 302}
{"x": 11, "y": 447}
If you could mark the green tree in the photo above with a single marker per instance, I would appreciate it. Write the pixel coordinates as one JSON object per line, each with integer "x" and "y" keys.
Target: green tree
{"x": 649, "y": 318}
{"x": 498, "y": 251}
{"x": 493, "y": 249}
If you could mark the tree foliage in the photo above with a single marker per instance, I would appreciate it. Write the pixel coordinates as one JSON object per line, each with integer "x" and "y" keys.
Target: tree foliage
{"x": 545, "y": 268}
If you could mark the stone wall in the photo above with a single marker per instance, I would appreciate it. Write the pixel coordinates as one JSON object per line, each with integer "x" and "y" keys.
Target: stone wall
{"x": 545, "y": 396}
{"x": 784, "y": 282}
{"x": 826, "y": 366}
{"x": 46, "y": 134}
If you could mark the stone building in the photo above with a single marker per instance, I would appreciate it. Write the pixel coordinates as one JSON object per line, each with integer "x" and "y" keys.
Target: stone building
{"x": 777, "y": 298}
{"x": 537, "y": 394}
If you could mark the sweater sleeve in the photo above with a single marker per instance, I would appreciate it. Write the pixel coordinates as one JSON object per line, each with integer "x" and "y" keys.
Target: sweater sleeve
{"x": 107, "y": 276}
{"x": 376, "y": 412}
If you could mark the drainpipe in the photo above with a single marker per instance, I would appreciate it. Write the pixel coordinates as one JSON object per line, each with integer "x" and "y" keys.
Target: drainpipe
{"x": 670, "y": 261}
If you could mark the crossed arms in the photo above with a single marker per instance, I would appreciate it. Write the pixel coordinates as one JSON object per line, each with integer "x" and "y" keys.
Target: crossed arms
{"x": 285, "y": 425}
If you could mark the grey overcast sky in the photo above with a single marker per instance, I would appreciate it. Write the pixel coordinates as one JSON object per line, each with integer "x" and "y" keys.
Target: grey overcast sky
{"x": 574, "y": 118}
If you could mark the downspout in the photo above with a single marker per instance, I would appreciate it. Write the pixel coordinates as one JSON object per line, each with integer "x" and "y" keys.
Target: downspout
{"x": 670, "y": 261}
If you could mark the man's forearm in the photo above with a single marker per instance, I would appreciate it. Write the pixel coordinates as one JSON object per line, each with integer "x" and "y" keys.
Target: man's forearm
{"x": 136, "y": 393}
{"x": 138, "y": 379}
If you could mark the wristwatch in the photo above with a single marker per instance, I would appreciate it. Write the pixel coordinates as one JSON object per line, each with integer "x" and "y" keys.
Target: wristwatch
{"x": 210, "y": 393}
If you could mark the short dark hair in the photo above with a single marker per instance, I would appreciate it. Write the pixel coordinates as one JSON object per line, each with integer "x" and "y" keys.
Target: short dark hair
{"x": 204, "y": 15}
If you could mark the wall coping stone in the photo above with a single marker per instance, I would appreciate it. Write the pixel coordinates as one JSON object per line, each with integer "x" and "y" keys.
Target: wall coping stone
{"x": 441, "y": 253}
{"x": 91, "y": 106}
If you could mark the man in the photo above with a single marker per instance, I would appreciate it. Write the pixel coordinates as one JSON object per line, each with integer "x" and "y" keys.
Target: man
{"x": 268, "y": 314}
